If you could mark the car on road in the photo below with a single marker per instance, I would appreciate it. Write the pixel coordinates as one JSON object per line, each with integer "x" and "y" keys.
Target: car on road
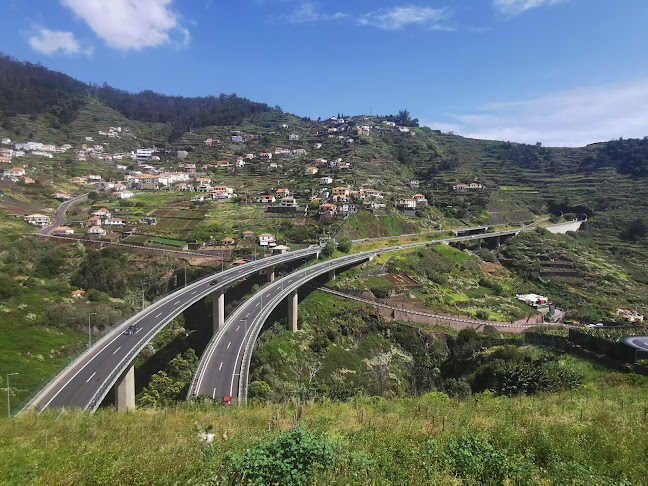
{"x": 132, "y": 329}
{"x": 367, "y": 239}
{"x": 213, "y": 282}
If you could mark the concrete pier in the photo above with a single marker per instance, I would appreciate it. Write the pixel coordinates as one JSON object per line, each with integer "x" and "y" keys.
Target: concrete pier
{"x": 125, "y": 390}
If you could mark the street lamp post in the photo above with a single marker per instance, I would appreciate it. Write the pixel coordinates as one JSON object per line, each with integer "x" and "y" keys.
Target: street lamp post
{"x": 90, "y": 329}
{"x": 9, "y": 406}
{"x": 142, "y": 295}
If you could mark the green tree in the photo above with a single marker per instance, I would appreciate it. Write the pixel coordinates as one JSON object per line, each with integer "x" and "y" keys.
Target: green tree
{"x": 329, "y": 248}
{"x": 259, "y": 390}
{"x": 345, "y": 244}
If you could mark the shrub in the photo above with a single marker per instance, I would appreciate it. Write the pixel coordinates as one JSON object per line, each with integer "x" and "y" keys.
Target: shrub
{"x": 259, "y": 390}
{"x": 288, "y": 458}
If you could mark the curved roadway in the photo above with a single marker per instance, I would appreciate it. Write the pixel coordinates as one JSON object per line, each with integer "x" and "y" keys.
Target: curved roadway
{"x": 223, "y": 367}
{"x": 60, "y": 214}
{"x": 85, "y": 383}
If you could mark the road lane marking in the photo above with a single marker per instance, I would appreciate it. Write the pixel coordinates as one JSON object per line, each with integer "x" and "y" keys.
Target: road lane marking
{"x": 219, "y": 368}
{"x": 248, "y": 315}
{"x": 230, "y": 343}
{"x": 194, "y": 292}
{"x": 91, "y": 377}
{"x": 238, "y": 328}
{"x": 158, "y": 315}
{"x": 138, "y": 330}
{"x": 257, "y": 304}
{"x": 176, "y": 303}
{"x": 80, "y": 370}
{"x": 116, "y": 349}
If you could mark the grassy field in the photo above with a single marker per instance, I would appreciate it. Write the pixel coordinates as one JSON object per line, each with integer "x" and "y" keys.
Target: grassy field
{"x": 591, "y": 436}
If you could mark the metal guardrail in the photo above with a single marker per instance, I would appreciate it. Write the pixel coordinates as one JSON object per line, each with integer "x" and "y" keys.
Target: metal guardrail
{"x": 257, "y": 325}
{"x": 113, "y": 330}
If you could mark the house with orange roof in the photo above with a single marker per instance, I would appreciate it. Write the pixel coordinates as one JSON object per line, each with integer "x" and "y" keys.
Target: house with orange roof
{"x": 420, "y": 199}
{"x": 266, "y": 239}
{"x": 14, "y": 172}
{"x": 78, "y": 293}
{"x": 406, "y": 203}
{"x": 311, "y": 171}
{"x": 327, "y": 209}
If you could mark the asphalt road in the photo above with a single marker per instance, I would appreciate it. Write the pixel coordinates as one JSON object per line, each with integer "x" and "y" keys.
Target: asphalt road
{"x": 86, "y": 382}
{"x": 220, "y": 367}
{"x": 219, "y": 371}
{"x": 60, "y": 214}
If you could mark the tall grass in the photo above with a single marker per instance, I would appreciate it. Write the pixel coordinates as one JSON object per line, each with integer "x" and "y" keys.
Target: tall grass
{"x": 587, "y": 436}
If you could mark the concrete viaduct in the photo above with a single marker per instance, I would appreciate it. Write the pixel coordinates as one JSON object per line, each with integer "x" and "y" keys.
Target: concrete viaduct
{"x": 108, "y": 364}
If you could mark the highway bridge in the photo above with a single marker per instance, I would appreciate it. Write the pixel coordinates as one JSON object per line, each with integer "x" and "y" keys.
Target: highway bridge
{"x": 223, "y": 369}
{"x": 109, "y": 362}
{"x": 224, "y": 366}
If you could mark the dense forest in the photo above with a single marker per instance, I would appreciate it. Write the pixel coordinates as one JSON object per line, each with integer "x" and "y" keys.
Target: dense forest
{"x": 32, "y": 89}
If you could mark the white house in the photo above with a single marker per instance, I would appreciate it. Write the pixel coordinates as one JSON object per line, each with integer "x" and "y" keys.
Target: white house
{"x": 62, "y": 231}
{"x": 267, "y": 199}
{"x": 311, "y": 170}
{"x": 288, "y": 202}
{"x": 123, "y": 194}
{"x": 406, "y": 203}
{"x": 266, "y": 239}
{"x": 114, "y": 222}
{"x": 326, "y": 180}
{"x": 14, "y": 172}
{"x": 38, "y": 219}
{"x": 97, "y": 230}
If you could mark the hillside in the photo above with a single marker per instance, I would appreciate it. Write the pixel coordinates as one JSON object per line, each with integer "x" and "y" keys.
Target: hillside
{"x": 370, "y": 168}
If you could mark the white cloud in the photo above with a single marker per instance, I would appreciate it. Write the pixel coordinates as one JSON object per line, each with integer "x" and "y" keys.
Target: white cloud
{"x": 514, "y": 7}
{"x": 50, "y": 42}
{"x": 399, "y": 17}
{"x": 574, "y": 118}
{"x": 307, "y": 12}
{"x": 130, "y": 24}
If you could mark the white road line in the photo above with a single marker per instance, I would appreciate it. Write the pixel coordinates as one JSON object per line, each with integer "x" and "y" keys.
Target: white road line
{"x": 194, "y": 292}
{"x": 91, "y": 377}
{"x": 267, "y": 295}
{"x": 158, "y": 315}
{"x": 138, "y": 330}
{"x": 80, "y": 370}
{"x": 230, "y": 343}
{"x": 257, "y": 304}
{"x": 248, "y": 315}
{"x": 176, "y": 303}
{"x": 116, "y": 349}
{"x": 238, "y": 328}
{"x": 219, "y": 368}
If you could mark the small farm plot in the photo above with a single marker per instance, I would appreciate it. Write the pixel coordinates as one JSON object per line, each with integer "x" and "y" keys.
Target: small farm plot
{"x": 177, "y": 224}
{"x": 178, "y": 213}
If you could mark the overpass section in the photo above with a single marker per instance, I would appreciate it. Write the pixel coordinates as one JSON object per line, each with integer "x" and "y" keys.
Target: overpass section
{"x": 224, "y": 366}
{"x": 88, "y": 379}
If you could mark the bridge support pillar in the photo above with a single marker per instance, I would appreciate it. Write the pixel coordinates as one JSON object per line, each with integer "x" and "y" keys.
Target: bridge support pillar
{"x": 498, "y": 241}
{"x": 270, "y": 274}
{"x": 331, "y": 274}
{"x": 292, "y": 310}
{"x": 125, "y": 390}
{"x": 218, "y": 309}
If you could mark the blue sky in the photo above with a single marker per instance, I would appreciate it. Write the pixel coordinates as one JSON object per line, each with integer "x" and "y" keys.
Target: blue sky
{"x": 560, "y": 72}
